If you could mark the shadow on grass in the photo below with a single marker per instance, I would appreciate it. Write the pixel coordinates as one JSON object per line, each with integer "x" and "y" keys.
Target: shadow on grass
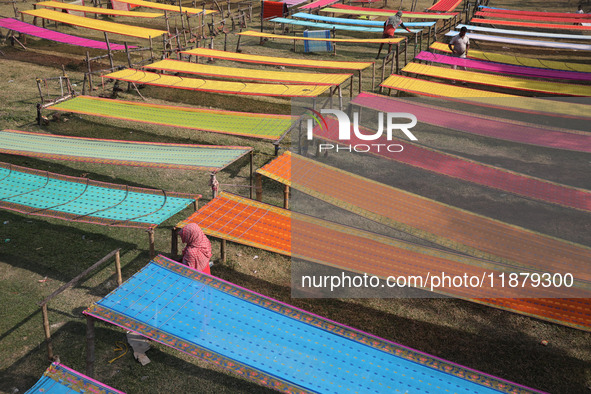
{"x": 496, "y": 342}
{"x": 39, "y": 246}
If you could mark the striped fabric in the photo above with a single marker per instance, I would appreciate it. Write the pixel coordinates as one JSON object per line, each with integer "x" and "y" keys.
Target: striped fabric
{"x": 573, "y": 18}
{"x": 95, "y": 10}
{"x": 500, "y": 68}
{"x": 487, "y": 98}
{"x": 518, "y": 60}
{"x": 361, "y": 22}
{"x": 131, "y": 153}
{"x": 569, "y": 46}
{"x": 166, "y": 7}
{"x": 533, "y": 13}
{"x": 331, "y": 26}
{"x": 273, "y": 343}
{"x": 317, "y": 4}
{"x": 317, "y": 46}
{"x": 524, "y": 33}
{"x": 354, "y": 10}
{"x": 445, "y": 5}
{"x": 306, "y": 78}
{"x": 39, "y": 193}
{"x": 263, "y": 226}
{"x": 222, "y": 87}
{"x": 51, "y": 35}
{"x": 59, "y": 379}
{"x": 532, "y": 25}
{"x": 466, "y": 122}
{"x": 250, "y": 33}
{"x": 267, "y": 126}
{"x": 96, "y": 24}
{"x": 503, "y": 81}
{"x": 279, "y": 61}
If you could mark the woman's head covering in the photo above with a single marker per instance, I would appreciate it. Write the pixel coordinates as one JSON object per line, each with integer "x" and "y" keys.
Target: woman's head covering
{"x": 198, "y": 250}
{"x": 399, "y": 14}
{"x": 191, "y": 234}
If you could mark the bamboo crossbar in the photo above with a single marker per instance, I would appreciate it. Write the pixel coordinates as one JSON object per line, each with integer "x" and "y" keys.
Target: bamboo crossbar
{"x": 77, "y": 278}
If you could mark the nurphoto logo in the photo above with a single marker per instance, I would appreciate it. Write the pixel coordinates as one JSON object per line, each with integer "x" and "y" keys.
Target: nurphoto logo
{"x": 347, "y": 141}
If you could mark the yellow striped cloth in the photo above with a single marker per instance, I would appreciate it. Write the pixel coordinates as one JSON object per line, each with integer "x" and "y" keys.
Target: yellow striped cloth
{"x": 96, "y": 24}
{"x": 256, "y": 89}
{"x": 518, "y": 60}
{"x": 283, "y": 61}
{"x": 487, "y": 98}
{"x": 96, "y": 10}
{"x": 248, "y": 73}
{"x": 250, "y": 33}
{"x": 502, "y": 81}
{"x": 165, "y": 7}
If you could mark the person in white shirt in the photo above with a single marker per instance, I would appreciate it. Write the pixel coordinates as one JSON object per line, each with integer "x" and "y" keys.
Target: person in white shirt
{"x": 579, "y": 11}
{"x": 459, "y": 45}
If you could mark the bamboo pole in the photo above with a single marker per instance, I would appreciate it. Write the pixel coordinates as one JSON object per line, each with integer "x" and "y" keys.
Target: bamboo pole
{"x": 251, "y": 172}
{"x": 48, "y": 340}
{"x": 223, "y": 250}
{"x": 151, "y": 241}
{"x": 166, "y": 20}
{"x": 89, "y": 72}
{"x": 181, "y": 12}
{"x": 259, "y": 187}
{"x": 109, "y": 50}
{"x": 118, "y": 268}
{"x": 151, "y": 49}
{"x": 89, "y": 346}
{"x": 286, "y": 197}
{"x": 174, "y": 242}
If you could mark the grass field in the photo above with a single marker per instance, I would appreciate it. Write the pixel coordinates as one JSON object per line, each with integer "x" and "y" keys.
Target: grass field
{"x": 38, "y": 255}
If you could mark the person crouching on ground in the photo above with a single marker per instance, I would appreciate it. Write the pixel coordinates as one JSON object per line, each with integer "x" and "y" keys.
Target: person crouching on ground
{"x": 390, "y": 27}
{"x": 198, "y": 250}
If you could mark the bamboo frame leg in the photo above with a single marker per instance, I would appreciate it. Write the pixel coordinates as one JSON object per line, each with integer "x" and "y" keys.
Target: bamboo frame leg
{"x": 373, "y": 76}
{"x": 47, "y": 332}
{"x": 259, "y": 187}
{"x": 397, "y": 58}
{"x": 109, "y": 50}
{"x": 360, "y": 83}
{"x": 118, "y": 268}
{"x": 174, "y": 242}
{"x": 223, "y": 250}
{"x": 286, "y": 197}
{"x": 90, "y": 346}
{"x": 251, "y": 173}
{"x": 238, "y": 44}
{"x": 151, "y": 241}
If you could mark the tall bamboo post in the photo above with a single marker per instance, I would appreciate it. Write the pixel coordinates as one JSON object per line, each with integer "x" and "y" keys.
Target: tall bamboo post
{"x": 48, "y": 340}
{"x": 259, "y": 187}
{"x": 118, "y": 268}
{"x": 109, "y": 50}
{"x": 151, "y": 241}
{"x": 89, "y": 346}
{"x": 251, "y": 172}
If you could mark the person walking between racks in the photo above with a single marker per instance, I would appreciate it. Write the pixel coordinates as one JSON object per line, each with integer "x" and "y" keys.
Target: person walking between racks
{"x": 198, "y": 250}
{"x": 579, "y": 11}
{"x": 459, "y": 46}
{"x": 390, "y": 27}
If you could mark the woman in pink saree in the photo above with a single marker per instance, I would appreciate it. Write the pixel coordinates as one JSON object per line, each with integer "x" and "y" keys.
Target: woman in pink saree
{"x": 198, "y": 250}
